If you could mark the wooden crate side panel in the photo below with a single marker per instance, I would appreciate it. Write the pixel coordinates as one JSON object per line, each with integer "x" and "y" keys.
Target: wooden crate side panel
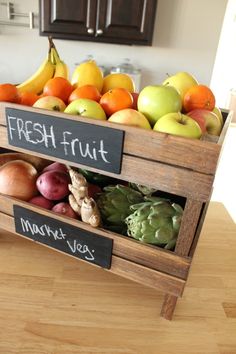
{"x": 188, "y": 226}
{"x": 125, "y": 247}
{"x": 168, "y": 178}
{"x": 125, "y": 268}
{"x": 193, "y": 154}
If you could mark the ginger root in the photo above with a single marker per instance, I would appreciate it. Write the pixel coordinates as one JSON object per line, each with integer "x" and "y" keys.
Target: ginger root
{"x": 90, "y": 213}
{"x": 80, "y": 202}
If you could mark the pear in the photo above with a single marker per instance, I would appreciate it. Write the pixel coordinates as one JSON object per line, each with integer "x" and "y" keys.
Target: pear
{"x": 87, "y": 73}
{"x": 182, "y": 82}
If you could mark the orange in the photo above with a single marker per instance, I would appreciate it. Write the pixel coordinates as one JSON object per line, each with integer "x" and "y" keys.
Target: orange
{"x": 28, "y": 98}
{"x": 199, "y": 97}
{"x": 59, "y": 87}
{"x": 116, "y": 99}
{"x": 9, "y": 93}
{"x": 87, "y": 91}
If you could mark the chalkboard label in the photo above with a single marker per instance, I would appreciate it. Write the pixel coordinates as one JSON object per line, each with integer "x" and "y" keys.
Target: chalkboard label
{"x": 69, "y": 239}
{"x": 80, "y": 142}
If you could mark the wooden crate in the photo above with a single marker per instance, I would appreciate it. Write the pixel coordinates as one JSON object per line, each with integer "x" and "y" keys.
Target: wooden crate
{"x": 183, "y": 167}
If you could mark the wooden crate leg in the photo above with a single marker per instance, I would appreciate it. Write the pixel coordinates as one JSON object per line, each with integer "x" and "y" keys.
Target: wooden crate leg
{"x": 168, "y": 306}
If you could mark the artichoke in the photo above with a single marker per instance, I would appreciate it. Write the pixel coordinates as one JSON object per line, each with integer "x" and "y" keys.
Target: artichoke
{"x": 114, "y": 205}
{"x": 145, "y": 190}
{"x": 155, "y": 221}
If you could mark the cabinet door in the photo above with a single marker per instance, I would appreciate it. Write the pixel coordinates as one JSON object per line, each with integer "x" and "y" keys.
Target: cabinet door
{"x": 126, "y": 21}
{"x": 67, "y": 18}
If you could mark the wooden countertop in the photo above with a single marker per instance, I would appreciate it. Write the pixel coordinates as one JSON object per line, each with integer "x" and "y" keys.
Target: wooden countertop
{"x": 51, "y": 303}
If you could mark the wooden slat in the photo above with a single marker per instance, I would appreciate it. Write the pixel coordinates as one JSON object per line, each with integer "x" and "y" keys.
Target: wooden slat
{"x": 168, "y": 306}
{"x": 122, "y": 267}
{"x": 125, "y": 247}
{"x": 168, "y": 178}
{"x": 188, "y": 226}
{"x": 193, "y": 154}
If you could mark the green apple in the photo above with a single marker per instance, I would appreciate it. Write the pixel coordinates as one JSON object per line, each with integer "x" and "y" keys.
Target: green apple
{"x": 182, "y": 81}
{"x": 131, "y": 117}
{"x": 211, "y": 122}
{"x": 156, "y": 101}
{"x": 86, "y": 108}
{"x": 52, "y": 103}
{"x": 218, "y": 112}
{"x": 178, "y": 124}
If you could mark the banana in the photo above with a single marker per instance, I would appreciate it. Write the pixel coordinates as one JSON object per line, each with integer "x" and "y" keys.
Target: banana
{"x": 36, "y": 82}
{"x": 61, "y": 68}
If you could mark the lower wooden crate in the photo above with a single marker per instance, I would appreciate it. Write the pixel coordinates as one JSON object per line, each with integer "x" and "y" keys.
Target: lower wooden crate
{"x": 148, "y": 265}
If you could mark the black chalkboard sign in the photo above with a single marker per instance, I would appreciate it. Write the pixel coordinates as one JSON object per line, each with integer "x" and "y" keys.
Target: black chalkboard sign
{"x": 64, "y": 237}
{"x": 80, "y": 142}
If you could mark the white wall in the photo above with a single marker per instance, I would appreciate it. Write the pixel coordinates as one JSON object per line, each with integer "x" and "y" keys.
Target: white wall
{"x": 224, "y": 72}
{"x": 185, "y": 39}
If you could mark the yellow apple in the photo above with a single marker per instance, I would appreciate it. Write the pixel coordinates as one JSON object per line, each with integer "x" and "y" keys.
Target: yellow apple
{"x": 131, "y": 117}
{"x": 52, "y": 103}
{"x": 182, "y": 81}
{"x": 217, "y": 111}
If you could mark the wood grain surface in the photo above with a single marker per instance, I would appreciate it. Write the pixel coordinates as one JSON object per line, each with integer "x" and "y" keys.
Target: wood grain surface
{"x": 53, "y": 304}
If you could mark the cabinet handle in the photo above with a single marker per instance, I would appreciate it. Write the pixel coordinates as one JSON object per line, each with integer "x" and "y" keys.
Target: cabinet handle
{"x": 90, "y": 30}
{"x": 99, "y": 32}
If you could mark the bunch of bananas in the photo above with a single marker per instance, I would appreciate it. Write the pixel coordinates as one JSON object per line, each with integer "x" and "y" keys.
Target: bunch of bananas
{"x": 51, "y": 67}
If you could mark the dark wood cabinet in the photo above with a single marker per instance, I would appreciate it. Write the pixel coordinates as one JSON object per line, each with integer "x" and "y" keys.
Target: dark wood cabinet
{"x": 112, "y": 21}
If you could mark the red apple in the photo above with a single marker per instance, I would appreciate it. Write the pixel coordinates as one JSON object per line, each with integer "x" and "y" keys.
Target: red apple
{"x": 213, "y": 124}
{"x": 129, "y": 116}
{"x": 135, "y": 100}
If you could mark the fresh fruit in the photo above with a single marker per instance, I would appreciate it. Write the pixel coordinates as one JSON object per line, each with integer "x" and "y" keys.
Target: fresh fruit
{"x": 87, "y": 73}
{"x": 156, "y": 101}
{"x": 130, "y": 117}
{"x": 114, "y": 205}
{"x": 28, "y": 98}
{"x": 53, "y": 185}
{"x": 155, "y": 221}
{"x": 135, "y": 100}
{"x": 199, "y": 97}
{"x": 197, "y": 116}
{"x": 65, "y": 209}
{"x": 116, "y": 99}
{"x": 9, "y": 93}
{"x": 50, "y": 102}
{"x": 18, "y": 180}
{"x": 86, "y": 108}
{"x": 87, "y": 91}
{"x": 182, "y": 82}
{"x": 58, "y": 87}
{"x": 42, "y": 202}
{"x": 178, "y": 124}
{"x": 208, "y": 121}
{"x": 218, "y": 112}
{"x": 61, "y": 68}
{"x": 120, "y": 80}
{"x": 37, "y": 81}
